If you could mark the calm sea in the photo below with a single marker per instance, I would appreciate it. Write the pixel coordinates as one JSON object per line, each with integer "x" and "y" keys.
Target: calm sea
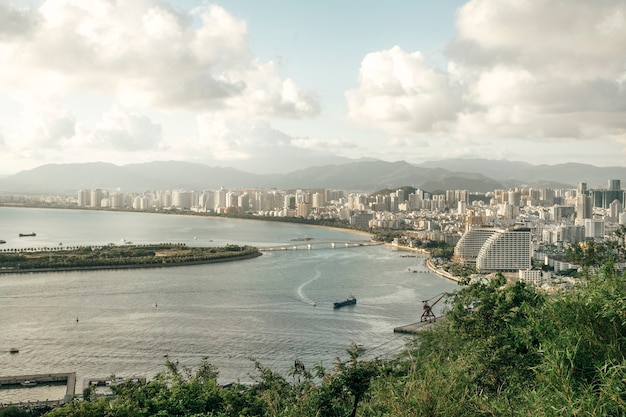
{"x": 275, "y": 308}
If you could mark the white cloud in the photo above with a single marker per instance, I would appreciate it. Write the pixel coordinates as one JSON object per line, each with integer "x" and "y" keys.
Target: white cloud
{"x": 15, "y": 22}
{"x": 44, "y": 126}
{"x": 541, "y": 69}
{"x": 233, "y": 139}
{"x": 143, "y": 53}
{"x": 256, "y": 146}
{"x": 125, "y": 131}
{"x": 400, "y": 93}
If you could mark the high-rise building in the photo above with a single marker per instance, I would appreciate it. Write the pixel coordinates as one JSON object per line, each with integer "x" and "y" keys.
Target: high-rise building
{"x": 603, "y": 198}
{"x": 303, "y": 209}
{"x": 570, "y": 233}
{"x": 243, "y": 201}
{"x": 615, "y": 208}
{"x": 290, "y": 202}
{"x": 220, "y": 199}
{"x": 317, "y": 200}
{"x": 594, "y": 228}
{"x": 84, "y": 198}
{"x": 467, "y": 249}
{"x": 182, "y": 199}
{"x": 584, "y": 206}
{"x": 614, "y": 185}
{"x": 505, "y": 250}
{"x": 514, "y": 198}
{"x": 95, "y": 198}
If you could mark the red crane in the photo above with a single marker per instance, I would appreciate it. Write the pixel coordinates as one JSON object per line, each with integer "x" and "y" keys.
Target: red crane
{"x": 427, "y": 306}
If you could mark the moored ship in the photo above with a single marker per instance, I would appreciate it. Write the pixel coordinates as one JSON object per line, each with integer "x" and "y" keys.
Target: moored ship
{"x": 347, "y": 302}
{"x": 27, "y": 234}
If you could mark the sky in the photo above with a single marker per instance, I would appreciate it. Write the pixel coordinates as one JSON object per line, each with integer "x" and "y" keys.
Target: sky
{"x": 273, "y": 86}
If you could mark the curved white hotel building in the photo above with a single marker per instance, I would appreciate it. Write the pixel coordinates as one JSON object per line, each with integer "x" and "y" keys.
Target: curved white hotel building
{"x": 467, "y": 248}
{"x": 495, "y": 249}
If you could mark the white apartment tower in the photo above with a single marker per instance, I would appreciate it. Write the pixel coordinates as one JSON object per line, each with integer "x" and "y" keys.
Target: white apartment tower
{"x": 84, "y": 198}
{"x": 467, "y": 248}
{"x": 584, "y": 206}
{"x": 594, "y": 228}
{"x": 615, "y": 209}
{"x": 505, "y": 250}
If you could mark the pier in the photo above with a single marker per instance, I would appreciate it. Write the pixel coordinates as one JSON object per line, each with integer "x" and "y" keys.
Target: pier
{"x": 415, "y": 328}
{"x": 319, "y": 244}
{"x": 70, "y": 388}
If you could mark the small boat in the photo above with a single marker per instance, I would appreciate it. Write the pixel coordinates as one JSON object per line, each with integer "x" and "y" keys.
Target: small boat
{"x": 351, "y": 300}
{"x": 14, "y": 350}
{"x": 27, "y": 234}
{"x": 3, "y": 241}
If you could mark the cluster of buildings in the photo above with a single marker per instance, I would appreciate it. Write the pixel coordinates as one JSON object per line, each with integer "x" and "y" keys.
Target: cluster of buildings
{"x": 503, "y": 230}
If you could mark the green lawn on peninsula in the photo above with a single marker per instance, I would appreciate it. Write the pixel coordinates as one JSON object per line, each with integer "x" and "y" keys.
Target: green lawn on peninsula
{"x": 114, "y": 256}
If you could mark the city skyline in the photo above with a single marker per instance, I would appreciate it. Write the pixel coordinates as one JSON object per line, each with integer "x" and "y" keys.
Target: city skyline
{"x": 279, "y": 85}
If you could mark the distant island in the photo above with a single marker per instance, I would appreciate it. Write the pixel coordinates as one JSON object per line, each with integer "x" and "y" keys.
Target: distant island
{"x": 118, "y": 257}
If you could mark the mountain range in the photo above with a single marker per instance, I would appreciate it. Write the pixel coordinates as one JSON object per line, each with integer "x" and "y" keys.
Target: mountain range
{"x": 475, "y": 175}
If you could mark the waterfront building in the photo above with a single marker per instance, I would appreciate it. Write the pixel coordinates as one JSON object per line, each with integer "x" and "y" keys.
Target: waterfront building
{"x": 182, "y": 199}
{"x": 505, "y": 250}
{"x": 467, "y": 249}
{"x": 243, "y": 201}
{"x": 116, "y": 200}
{"x": 361, "y": 219}
{"x": 290, "y": 202}
{"x": 232, "y": 199}
{"x": 96, "y": 197}
{"x": 303, "y": 209}
{"x": 317, "y": 200}
{"x": 84, "y": 198}
{"x": 164, "y": 199}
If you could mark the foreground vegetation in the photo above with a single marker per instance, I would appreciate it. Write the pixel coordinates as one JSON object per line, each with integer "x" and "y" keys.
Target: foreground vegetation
{"x": 503, "y": 350}
{"x": 109, "y": 256}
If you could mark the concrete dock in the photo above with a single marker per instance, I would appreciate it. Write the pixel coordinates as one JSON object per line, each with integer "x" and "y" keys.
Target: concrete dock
{"x": 68, "y": 378}
{"x": 415, "y": 328}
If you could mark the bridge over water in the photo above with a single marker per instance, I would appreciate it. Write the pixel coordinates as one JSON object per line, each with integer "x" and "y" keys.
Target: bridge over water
{"x": 319, "y": 244}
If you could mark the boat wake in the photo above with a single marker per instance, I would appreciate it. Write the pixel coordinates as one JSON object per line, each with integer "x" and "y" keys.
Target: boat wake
{"x": 301, "y": 294}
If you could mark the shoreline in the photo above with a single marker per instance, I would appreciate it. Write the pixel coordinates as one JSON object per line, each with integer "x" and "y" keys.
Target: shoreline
{"x": 196, "y": 214}
{"x": 428, "y": 262}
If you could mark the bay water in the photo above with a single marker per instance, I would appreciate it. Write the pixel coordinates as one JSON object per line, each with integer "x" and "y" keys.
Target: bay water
{"x": 276, "y": 308}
